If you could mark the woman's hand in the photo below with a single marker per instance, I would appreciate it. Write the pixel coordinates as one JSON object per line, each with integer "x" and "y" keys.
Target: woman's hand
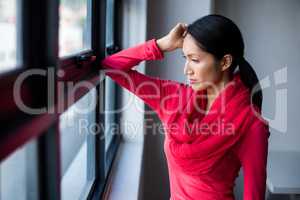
{"x": 173, "y": 39}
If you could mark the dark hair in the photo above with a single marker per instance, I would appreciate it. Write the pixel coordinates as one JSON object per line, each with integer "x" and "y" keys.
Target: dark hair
{"x": 219, "y": 35}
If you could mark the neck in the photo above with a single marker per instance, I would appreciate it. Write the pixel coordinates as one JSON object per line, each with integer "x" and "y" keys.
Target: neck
{"x": 213, "y": 92}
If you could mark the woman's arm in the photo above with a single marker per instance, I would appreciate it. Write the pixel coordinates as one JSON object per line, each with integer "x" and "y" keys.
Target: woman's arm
{"x": 253, "y": 155}
{"x": 130, "y": 57}
{"x": 150, "y": 89}
{"x": 150, "y": 50}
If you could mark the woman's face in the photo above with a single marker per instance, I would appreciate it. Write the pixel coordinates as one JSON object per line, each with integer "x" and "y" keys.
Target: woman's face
{"x": 201, "y": 68}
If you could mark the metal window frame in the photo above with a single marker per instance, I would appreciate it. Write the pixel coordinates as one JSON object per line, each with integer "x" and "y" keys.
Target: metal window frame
{"x": 103, "y": 159}
{"x": 110, "y": 49}
{"x": 40, "y": 51}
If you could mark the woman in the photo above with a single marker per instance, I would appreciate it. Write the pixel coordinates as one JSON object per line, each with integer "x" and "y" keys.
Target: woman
{"x": 213, "y": 125}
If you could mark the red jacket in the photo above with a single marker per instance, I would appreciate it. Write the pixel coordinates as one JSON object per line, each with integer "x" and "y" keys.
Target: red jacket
{"x": 250, "y": 153}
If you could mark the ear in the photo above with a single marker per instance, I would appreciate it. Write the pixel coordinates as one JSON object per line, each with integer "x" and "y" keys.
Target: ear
{"x": 226, "y": 62}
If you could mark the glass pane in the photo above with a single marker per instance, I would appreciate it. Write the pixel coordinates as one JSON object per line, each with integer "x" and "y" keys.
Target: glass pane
{"x": 110, "y": 23}
{"x": 74, "y": 26}
{"x": 77, "y": 147}
{"x": 111, "y": 127}
{"x": 18, "y": 174}
{"x": 8, "y": 32}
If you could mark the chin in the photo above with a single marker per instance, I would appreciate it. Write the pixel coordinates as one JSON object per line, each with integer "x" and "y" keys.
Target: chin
{"x": 198, "y": 87}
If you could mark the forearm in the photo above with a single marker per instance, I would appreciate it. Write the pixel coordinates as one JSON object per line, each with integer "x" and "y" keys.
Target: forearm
{"x": 118, "y": 68}
{"x": 130, "y": 57}
{"x": 150, "y": 89}
{"x": 162, "y": 44}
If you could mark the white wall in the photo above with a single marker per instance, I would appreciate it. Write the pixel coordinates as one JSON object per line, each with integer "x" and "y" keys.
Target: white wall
{"x": 271, "y": 32}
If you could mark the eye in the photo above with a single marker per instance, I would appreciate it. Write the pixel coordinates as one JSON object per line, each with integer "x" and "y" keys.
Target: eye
{"x": 194, "y": 60}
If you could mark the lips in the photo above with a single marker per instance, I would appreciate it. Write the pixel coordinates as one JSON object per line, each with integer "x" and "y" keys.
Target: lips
{"x": 192, "y": 81}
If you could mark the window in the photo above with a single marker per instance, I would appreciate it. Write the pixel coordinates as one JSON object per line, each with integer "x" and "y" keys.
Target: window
{"x": 74, "y": 26}
{"x": 77, "y": 147}
{"x": 18, "y": 174}
{"x": 9, "y": 38}
{"x": 64, "y": 155}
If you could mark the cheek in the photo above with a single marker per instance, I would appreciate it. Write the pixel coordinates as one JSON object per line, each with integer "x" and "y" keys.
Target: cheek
{"x": 206, "y": 71}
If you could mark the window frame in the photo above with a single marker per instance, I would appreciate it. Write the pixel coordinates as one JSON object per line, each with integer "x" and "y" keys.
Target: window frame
{"x": 110, "y": 49}
{"x": 39, "y": 49}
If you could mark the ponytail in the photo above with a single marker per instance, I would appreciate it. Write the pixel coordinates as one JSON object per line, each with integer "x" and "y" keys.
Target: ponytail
{"x": 249, "y": 78}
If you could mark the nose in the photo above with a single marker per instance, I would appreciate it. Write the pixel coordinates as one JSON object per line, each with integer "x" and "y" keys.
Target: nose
{"x": 187, "y": 70}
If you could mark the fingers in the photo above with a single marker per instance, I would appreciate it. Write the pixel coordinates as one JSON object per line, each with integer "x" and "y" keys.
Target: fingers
{"x": 184, "y": 26}
{"x": 184, "y": 33}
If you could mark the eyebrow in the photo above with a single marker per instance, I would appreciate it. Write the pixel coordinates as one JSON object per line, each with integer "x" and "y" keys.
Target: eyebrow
{"x": 190, "y": 54}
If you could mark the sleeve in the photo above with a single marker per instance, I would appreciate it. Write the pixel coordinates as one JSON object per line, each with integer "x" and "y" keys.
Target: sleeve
{"x": 151, "y": 90}
{"x": 253, "y": 155}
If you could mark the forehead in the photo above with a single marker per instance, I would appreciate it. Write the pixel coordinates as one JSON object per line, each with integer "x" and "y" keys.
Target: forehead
{"x": 190, "y": 47}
